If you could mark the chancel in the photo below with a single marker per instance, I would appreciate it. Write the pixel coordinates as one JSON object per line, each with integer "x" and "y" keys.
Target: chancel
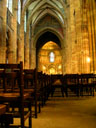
{"x": 48, "y": 63}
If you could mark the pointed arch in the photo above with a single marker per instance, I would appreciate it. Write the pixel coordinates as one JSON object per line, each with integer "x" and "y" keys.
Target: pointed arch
{"x": 47, "y": 29}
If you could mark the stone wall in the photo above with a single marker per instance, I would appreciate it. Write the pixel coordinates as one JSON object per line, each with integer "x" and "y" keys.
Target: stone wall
{"x": 77, "y": 44}
{"x": 48, "y": 21}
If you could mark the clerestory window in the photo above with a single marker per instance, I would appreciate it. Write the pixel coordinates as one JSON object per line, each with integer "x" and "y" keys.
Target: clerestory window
{"x": 25, "y": 22}
{"x": 9, "y": 5}
{"x": 19, "y": 11}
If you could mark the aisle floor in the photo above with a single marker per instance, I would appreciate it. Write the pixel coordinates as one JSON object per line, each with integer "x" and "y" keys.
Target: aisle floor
{"x": 67, "y": 112}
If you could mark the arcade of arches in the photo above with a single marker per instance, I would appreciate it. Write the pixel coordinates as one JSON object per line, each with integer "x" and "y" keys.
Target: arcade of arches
{"x": 54, "y": 36}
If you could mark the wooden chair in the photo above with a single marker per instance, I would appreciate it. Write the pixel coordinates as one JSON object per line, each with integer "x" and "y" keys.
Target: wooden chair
{"x": 86, "y": 84}
{"x": 57, "y": 86}
{"x": 70, "y": 83}
{"x": 2, "y": 112}
{"x": 30, "y": 85}
{"x": 15, "y": 99}
{"x": 48, "y": 86}
{"x": 41, "y": 88}
{"x": 6, "y": 117}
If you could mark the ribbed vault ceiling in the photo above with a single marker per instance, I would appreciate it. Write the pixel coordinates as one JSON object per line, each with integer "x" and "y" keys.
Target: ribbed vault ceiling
{"x": 36, "y": 8}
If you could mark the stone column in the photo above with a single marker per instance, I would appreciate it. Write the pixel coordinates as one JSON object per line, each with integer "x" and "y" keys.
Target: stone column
{"x": 92, "y": 32}
{"x": 85, "y": 39}
{"x": 26, "y": 56}
{"x": 72, "y": 44}
{"x": 21, "y": 43}
{"x": 94, "y": 18}
{"x": 32, "y": 54}
{"x": 33, "y": 58}
{"x": 67, "y": 49}
{"x": 63, "y": 61}
{"x": 75, "y": 37}
{"x": 10, "y": 47}
{"x": 14, "y": 27}
{"x": 18, "y": 51}
{"x": 3, "y": 31}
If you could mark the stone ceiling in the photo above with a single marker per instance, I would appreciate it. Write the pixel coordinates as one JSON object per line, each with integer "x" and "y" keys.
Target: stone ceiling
{"x": 37, "y": 8}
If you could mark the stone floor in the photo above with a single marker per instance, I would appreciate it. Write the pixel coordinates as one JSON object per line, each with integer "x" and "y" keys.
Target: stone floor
{"x": 67, "y": 112}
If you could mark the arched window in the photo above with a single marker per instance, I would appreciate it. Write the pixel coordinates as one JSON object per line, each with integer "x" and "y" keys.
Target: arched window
{"x": 9, "y": 5}
{"x": 19, "y": 11}
{"x": 25, "y": 22}
{"x": 52, "y": 57}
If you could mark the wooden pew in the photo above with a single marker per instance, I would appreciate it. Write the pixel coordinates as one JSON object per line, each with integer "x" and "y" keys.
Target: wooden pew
{"x": 19, "y": 99}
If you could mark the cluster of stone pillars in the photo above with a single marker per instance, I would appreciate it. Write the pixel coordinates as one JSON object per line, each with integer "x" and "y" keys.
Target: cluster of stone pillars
{"x": 79, "y": 40}
{"x": 13, "y": 47}
{"x": 80, "y": 44}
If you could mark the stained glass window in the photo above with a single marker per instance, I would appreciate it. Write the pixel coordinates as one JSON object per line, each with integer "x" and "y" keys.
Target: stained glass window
{"x": 52, "y": 57}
